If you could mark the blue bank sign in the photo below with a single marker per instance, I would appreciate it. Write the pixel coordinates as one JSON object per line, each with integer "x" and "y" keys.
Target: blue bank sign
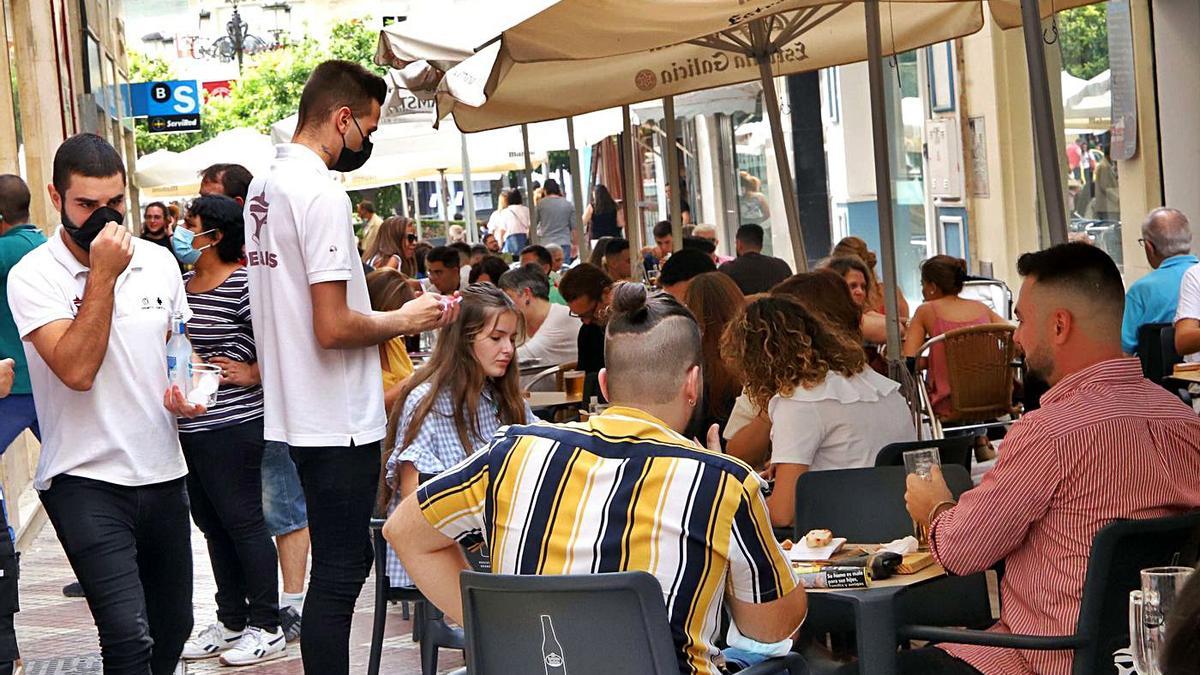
{"x": 169, "y": 107}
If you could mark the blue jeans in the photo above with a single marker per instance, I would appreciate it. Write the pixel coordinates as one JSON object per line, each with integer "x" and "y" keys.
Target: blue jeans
{"x": 513, "y": 243}
{"x": 282, "y": 497}
{"x": 16, "y": 415}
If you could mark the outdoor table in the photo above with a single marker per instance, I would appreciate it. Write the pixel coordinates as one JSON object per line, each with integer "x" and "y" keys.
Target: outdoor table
{"x": 874, "y": 615}
{"x": 545, "y": 400}
{"x": 1189, "y": 376}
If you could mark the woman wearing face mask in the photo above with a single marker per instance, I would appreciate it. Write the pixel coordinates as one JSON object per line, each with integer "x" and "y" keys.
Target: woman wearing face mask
{"x": 224, "y": 447}
{"x": 452, "y": 405}
{"x": 182, "y": 244}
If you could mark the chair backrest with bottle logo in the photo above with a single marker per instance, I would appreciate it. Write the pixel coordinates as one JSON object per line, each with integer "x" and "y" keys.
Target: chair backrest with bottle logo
{"x": 598, "y": 623}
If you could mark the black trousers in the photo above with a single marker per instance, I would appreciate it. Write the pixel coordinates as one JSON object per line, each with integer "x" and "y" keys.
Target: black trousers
{"x": 9, "y": 574}
{"x": 933, "y": 661}
{"x": 224, "y": 485}
{"x": 131, "y": 549}
{"x": 339, "y": 486}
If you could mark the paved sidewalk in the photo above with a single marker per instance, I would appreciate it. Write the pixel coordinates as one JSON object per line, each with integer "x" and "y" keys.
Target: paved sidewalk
{"x": 57, "y": 636}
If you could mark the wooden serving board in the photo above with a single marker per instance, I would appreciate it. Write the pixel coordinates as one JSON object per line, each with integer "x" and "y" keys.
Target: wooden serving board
{"x": 915, "y": 562}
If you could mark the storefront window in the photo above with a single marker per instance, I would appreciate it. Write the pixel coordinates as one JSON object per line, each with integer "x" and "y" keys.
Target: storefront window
{"x": 1093, "y": 170}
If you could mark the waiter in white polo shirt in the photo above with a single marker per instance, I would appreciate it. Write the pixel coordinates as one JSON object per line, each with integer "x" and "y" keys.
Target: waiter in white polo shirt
{"x": 93, "y": 306}
{"x": 316, "y": 338}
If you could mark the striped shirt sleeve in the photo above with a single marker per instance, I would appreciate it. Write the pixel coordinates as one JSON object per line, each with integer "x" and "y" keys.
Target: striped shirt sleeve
{"x": 453, "y": 502}
{"x": 758, "y": 569}
{"x": 993, "y": 519}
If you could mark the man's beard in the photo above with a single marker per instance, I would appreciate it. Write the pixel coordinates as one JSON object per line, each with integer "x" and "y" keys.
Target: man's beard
{"x": 1040, "y": 362}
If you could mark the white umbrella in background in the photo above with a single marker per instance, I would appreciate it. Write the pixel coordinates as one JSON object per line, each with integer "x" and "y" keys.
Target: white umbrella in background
{"x": 165, "y": 174}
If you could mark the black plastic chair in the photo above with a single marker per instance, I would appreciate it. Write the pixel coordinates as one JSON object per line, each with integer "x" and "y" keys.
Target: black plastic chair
{"x": 429, "y": 628}
{"x": 578, "y": 624}
{"x": 952, "y": 450}
{"x": 1120, "y": 551}
{"x": 867, "y": 506}
{"x": 1156, "y": 350}
{"x": 862, "y": 505}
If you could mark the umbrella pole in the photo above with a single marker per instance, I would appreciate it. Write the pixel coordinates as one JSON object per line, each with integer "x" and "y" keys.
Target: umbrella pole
{"x": 672, "y": 157}
{"x": 529, "y": 186}
{"x": 1045, "y": 145}
{"x": 468, "y": 193}
{"x": 403, "y": 200}
{"x": 416, "y": 190}
{"x": 585, "y": 242}
{"x": 771, "y": 103}
{"x": 883, "y": 177}
{"x": 633, "y": 224}
{"x": 444, "y": 201}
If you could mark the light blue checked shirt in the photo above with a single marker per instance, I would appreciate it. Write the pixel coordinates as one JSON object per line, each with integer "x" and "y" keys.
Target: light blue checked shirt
{"x": 435, "y": 448}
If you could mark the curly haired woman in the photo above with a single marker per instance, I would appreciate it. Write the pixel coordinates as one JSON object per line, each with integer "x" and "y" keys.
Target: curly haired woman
{"x": 828, "y": 410}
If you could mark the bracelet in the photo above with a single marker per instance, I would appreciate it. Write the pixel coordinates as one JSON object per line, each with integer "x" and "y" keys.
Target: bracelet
{"x": 933, "y": 513}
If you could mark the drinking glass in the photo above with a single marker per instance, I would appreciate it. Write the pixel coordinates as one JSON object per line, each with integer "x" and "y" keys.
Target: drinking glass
{"x": 573, "y": 382}
{"x": 921, "y": 462}
{"x": 1148, "y": 612}
{"x": 206, "y": 380}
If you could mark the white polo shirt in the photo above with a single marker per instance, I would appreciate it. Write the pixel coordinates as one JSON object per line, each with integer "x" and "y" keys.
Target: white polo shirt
{"x": 299, "y": 233}
{"x": 118, "y": 431}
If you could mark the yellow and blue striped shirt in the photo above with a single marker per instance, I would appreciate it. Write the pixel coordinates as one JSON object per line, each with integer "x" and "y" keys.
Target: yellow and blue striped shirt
{"x": 620, "y": 492}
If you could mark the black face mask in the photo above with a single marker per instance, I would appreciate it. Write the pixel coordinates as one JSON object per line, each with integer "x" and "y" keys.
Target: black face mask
{"x": 90, "y": 229}
{"x": 349, "y": 160}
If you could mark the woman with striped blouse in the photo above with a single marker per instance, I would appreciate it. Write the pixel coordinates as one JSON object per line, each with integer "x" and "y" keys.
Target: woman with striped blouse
{"x": 224, "y": 447}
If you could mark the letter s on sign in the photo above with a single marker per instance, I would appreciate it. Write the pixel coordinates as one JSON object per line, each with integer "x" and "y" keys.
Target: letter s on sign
{"x": 185, "y": 99}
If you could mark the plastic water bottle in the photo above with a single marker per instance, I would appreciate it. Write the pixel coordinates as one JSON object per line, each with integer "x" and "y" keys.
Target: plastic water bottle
{"x": 179, "y": 354}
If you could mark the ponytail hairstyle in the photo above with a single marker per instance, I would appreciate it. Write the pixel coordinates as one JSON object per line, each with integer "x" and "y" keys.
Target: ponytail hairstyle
{"x": 946, "y": 273}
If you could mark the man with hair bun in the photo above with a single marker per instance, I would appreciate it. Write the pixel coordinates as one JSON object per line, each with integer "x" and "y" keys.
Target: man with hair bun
{"x": 665, "y": 479}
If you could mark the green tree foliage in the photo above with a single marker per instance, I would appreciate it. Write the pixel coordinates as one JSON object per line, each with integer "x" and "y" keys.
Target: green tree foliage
{"x": 1083, "y": 37}
{"x": 268, "y": 90}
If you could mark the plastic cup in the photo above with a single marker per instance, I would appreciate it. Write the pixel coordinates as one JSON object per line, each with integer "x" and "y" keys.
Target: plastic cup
{"x": 206, "y": 380}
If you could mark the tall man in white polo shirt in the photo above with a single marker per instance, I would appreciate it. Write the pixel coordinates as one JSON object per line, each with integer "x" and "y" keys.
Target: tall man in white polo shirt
{"x": 93, "y": 306}
{"x": 316, "y": 337}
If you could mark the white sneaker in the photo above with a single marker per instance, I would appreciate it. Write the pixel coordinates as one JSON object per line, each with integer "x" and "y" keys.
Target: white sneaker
{"x": 256, "y": 646}
{"x": 210, "y": 642}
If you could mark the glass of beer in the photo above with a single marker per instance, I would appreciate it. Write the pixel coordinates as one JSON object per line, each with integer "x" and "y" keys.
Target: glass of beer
{"x": 573, "y": 383}
{"x": 921, "y": 462}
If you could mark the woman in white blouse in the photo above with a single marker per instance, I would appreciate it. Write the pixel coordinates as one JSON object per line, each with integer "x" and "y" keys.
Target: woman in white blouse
{"x": 828, "y": 410}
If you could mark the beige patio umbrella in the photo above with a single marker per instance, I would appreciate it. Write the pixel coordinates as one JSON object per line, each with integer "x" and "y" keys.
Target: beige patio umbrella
{"x": 578, "y": 55}
{"x": 770, "y": 39}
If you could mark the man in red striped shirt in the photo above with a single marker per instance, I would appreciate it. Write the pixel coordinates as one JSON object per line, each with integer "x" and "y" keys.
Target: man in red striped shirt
{"x": 1106, "y": 444}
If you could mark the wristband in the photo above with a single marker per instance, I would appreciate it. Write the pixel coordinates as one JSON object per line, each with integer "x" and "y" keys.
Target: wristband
{"x": 933, "y": 513}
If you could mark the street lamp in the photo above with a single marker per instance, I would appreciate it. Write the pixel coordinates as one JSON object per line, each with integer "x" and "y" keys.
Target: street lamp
{"x": 237, "y": 41}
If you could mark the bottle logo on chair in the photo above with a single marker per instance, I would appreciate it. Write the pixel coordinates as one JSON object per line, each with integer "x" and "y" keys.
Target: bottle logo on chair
{"x": 552, "y": 651}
